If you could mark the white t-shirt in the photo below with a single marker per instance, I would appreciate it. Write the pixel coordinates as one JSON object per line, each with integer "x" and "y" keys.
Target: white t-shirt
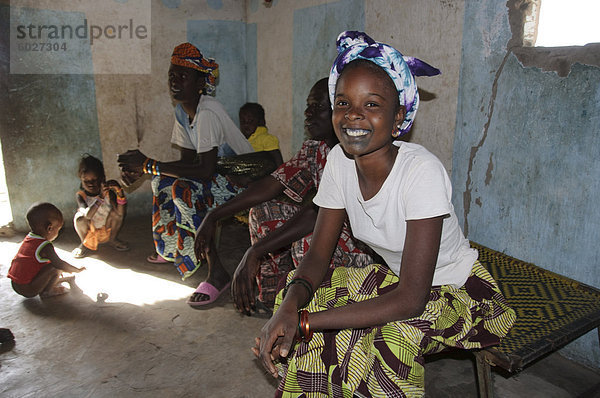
{"x": 211, "y": 127}
{"x": 417, "y": 187}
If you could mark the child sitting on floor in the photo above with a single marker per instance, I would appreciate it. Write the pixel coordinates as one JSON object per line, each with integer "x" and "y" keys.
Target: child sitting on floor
{"x": 253, "y": 126}
{"x": 101, "y": 208}
{"x": 37, "y": 269}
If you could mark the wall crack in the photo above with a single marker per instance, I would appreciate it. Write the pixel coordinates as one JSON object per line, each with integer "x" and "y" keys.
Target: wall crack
{"x": 475, "y": 149}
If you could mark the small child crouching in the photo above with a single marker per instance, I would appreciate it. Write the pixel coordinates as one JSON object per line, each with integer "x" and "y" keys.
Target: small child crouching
{"x": 37, "y": 269}
{"x": 101, "y": 208}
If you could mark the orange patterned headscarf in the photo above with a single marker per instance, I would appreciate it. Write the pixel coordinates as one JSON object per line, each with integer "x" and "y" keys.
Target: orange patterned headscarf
{"x": 189, "y": 56}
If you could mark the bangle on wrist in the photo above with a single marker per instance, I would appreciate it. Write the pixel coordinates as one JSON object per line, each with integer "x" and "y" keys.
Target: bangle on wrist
{"x": 306, "y": 283}
{"x": 150, "y": 166}
{"x": 145, "y": 166}
{"x": 304, "y": 326}
{"x": 118, "y": 191}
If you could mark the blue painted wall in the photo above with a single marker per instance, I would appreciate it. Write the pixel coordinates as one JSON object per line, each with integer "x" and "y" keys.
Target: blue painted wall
{"x": 225, "y": 41}
{"x": 526, "y": 162}
{"x": 315, "y": 31}
{"x": 47, "y": 122}
{"x": 251, "y": 63}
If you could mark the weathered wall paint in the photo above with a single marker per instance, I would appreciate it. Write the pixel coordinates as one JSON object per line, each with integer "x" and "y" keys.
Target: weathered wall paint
{"x": 251, "y": 64}
{"x": 48, "y": 122}
{"x": 225, "y": 41}
{"x": 279, "y": 56}
{"x": 525, "y": 163}
{"x": 136, "y": 111}
{"x": 432, "y": 31}
{"x": 315, "y": 31}
{"x": 429, "y": 29}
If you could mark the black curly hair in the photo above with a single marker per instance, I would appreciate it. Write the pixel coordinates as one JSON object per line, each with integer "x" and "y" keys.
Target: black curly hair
{"x": 90, "y": 163}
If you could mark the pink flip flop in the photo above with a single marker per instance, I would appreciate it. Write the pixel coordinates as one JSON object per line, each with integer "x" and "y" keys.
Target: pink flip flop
{"x": 210, "y": 291}
{"x": 156, "y": 259}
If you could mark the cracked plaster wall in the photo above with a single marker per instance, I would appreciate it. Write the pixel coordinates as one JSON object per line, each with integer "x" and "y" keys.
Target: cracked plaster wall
{"x": 525, "y": 162}
{"x": 304, "y": 32}
{"x": 49, "y": 121}
{"x": 270, "y": 54}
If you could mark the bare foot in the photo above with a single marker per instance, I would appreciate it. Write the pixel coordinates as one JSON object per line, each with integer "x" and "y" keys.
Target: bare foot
{"x": 80, "y": 251}
{"x": 68, "y": 279}
{"x": 201, "y": 295}
{"x": 55, "y": 291}
{"x": 118, "y": 245}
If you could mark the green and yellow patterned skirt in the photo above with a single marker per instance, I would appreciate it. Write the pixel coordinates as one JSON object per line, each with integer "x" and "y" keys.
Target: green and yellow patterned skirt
{"x": 388, "y": 361}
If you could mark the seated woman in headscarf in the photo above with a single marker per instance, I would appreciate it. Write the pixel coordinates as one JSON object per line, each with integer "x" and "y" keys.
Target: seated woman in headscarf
{"x": 186, "y": 189}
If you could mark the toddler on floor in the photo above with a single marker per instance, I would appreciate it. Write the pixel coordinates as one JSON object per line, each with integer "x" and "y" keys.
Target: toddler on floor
{"x": 37, "y": 269}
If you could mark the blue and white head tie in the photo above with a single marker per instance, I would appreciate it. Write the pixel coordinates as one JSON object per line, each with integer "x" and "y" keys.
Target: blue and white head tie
{"x": 353, "y": 45}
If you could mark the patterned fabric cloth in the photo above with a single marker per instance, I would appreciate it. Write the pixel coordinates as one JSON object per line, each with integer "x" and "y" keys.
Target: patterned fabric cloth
{"x": 179, "y": 206}
{"x": 95, "y": 236}
{"x": 388, "y": 361}
{"x": 299, "y": 175}
{"x": 97, "y": 231}
{"x": 304, "y": 170}
{"x": 352, "y": 45}
{"x": 101, "y": 214}
{"x": 187, "y": 55}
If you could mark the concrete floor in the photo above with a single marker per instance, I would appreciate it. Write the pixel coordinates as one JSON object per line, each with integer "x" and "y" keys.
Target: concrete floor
{"x": 144, "y": 341}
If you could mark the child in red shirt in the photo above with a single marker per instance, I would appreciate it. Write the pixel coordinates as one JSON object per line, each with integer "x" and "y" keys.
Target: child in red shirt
{"x": 37, "y": 269}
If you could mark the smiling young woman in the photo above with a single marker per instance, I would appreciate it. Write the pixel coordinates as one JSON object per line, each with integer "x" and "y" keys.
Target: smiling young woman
{"x": 364, "y": 332}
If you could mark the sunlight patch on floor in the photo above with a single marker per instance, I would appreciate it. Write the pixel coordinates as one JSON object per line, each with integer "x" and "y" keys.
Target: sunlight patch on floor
{"x": 123, "y": 285}
{"x": 120, "y": 285}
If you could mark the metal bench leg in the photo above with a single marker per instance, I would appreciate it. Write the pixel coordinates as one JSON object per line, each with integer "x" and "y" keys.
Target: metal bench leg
{"x": 484, "y": 376}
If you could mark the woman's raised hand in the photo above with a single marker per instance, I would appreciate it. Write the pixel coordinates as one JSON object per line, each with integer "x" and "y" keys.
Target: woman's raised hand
{"x": 131, "y": 164}
{"x": 132, "y": 161}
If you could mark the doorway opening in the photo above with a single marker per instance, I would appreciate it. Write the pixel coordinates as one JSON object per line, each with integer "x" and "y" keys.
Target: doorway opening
{"x": 5, "y": 210}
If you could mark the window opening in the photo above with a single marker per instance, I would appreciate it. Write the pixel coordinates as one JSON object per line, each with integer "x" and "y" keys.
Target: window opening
{"x": 566, "y": 23}
{"x": 5, "y": 210}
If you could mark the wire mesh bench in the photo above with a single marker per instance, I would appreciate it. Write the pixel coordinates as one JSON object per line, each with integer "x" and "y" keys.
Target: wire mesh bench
{"x": 552, "y": 310}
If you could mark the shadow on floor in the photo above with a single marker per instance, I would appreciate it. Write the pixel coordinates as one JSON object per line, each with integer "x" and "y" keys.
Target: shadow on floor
{"x": 143, "y": 340}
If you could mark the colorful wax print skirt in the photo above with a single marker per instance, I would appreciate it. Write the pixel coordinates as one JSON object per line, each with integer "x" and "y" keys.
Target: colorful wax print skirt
{"x": 388, "y": 361}
{"x": 179, "y": 206}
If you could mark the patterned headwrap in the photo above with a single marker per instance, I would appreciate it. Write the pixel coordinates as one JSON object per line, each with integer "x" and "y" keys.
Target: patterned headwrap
{"x": 188, "y": 55}
{"x": 353, "y": 45}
